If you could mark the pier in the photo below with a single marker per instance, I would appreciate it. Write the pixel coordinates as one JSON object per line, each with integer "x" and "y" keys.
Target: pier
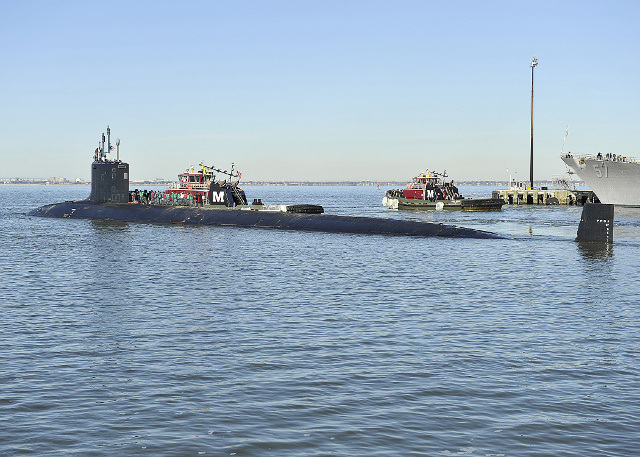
{"x": 545, "y": 196}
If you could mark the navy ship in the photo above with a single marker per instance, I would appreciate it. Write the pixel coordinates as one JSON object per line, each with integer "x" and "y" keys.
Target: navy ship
{"x": 200, "y": 198}
{"x": 615, "y": 179}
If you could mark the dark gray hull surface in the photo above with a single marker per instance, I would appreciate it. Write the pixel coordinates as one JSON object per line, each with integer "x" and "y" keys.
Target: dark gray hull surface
{"x": 248, "y": 218}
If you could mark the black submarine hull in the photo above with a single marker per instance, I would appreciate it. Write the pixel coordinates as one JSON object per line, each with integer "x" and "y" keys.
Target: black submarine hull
{"x": 86, "y": 209}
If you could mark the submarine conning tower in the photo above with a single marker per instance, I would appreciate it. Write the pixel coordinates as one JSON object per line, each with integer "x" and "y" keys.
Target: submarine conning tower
{"x": 109, "y": 178}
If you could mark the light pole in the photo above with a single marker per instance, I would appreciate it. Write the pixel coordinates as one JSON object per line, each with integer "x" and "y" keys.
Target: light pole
{"x": 534, "y": 63}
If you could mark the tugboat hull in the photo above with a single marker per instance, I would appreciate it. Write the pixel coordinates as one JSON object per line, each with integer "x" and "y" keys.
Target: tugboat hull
{"x": 248, "y": 217}
{"x": 467, "y": 204}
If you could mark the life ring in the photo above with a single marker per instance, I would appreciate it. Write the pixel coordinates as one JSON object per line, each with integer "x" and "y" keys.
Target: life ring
{"x": 190, "y": 186}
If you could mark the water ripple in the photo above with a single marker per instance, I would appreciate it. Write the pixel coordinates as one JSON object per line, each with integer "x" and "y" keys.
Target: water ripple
{"x": 128, "y": 339}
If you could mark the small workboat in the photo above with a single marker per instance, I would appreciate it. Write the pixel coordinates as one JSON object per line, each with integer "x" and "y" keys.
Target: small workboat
{"x": 431, "y": 191}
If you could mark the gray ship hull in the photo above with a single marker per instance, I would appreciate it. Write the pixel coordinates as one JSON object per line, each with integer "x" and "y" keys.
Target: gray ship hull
{"x": 614, "y": 182}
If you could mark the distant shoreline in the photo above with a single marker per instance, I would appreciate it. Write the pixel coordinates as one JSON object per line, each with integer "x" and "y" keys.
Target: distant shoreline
{"x": 285, "y": 183}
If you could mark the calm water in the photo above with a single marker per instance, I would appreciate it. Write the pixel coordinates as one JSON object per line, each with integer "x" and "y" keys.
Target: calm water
{"x": 141, "y": 339}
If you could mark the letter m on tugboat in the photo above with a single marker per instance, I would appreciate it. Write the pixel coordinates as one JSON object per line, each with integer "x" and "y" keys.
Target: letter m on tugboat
{"x": 217, "y": 197}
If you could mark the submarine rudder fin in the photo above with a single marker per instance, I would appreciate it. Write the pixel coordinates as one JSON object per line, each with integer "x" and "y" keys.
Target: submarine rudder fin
{"x": 596, "y": 223}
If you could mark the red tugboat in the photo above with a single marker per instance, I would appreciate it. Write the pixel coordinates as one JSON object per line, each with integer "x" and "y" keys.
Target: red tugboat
{"x": 430, "y": 190}
{"x": 200, "y": 187}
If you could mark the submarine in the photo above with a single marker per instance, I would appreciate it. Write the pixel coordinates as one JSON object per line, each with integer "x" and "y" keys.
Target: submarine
{"x": 199, "y": 198}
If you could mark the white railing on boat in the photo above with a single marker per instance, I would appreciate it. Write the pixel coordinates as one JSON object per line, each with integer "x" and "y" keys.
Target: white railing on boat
{"x": 188, "y": 186}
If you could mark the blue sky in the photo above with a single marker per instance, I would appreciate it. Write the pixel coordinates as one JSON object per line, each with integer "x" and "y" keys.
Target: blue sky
{"x": 316, "y": 90}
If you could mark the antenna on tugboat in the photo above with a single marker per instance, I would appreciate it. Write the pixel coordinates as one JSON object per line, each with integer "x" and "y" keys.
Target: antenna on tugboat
{"x": 534, "y": 64}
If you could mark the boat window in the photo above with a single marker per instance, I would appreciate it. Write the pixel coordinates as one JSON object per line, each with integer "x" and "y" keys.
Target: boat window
{"x": 192, "y": 178}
